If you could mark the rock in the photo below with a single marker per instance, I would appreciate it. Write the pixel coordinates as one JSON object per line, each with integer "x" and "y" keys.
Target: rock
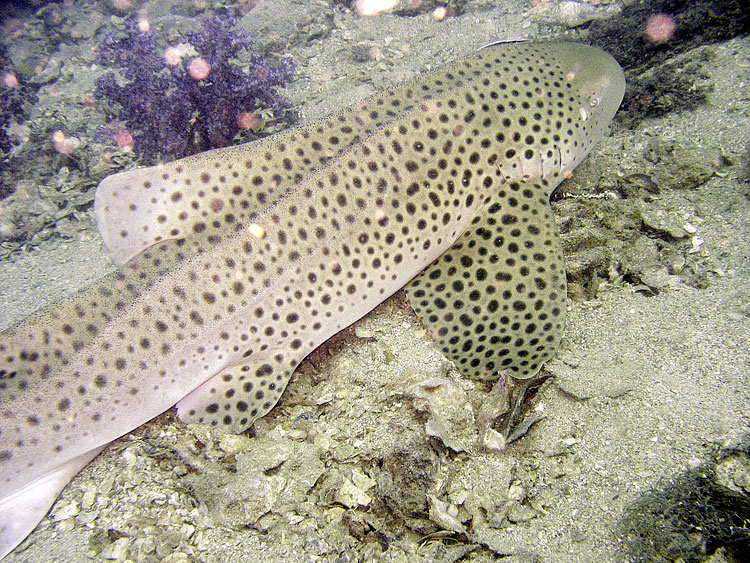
{"x": 658, "y": 219}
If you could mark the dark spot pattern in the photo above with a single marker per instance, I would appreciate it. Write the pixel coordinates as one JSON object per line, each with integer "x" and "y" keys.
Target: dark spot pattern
{"x": 249, "y": 257}
{"x": 512, "y": 294}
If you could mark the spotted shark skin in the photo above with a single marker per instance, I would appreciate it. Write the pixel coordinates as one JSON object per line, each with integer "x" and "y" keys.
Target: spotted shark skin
{"x": 237, "y": 263}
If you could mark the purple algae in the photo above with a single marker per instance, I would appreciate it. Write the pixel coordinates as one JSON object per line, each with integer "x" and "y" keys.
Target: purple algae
{"x": 170, "y": 113}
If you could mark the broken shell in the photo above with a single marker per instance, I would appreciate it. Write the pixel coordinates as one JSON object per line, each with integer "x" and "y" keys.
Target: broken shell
{"x": 65, "y": 512}
{"x": 445, "y": 515}
{"x": 351, "y": 496}
{"x": 516, "y": 492}
{"x": 690, "y": 228}
{"x": 697, "y": 242}
{"x": 361, "y": 480}
{"x": 451, "y": 415}
{"x": 493, "y": 440}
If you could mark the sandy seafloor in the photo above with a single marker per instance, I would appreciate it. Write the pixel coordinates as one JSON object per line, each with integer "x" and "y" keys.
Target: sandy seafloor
{"x": 646, "y": 386}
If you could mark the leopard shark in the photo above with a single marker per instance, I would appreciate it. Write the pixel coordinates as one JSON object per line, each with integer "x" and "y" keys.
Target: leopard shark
{"x": 235, "y": 264}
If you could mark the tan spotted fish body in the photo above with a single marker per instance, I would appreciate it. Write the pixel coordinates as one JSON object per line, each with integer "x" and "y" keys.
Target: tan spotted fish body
{"x": 240, "y": 261}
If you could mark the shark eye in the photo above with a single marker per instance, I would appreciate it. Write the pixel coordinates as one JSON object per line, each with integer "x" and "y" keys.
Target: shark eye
{"x": 594, "y": 101}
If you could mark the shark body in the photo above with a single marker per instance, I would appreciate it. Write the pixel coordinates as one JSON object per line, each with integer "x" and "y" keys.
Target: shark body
{"x": 237, "y": 263}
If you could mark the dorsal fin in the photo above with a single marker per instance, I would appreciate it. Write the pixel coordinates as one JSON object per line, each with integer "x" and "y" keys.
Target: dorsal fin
{"x": 215, "y": 193}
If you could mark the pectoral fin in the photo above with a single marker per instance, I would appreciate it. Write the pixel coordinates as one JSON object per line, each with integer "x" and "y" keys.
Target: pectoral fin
{"x": 496, "y": 299}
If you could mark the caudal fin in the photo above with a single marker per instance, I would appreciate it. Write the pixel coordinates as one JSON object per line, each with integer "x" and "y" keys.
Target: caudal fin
{"x": 24, "y": 509}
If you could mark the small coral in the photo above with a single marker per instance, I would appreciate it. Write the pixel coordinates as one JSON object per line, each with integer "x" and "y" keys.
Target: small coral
{"x": 203, "y": 96}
